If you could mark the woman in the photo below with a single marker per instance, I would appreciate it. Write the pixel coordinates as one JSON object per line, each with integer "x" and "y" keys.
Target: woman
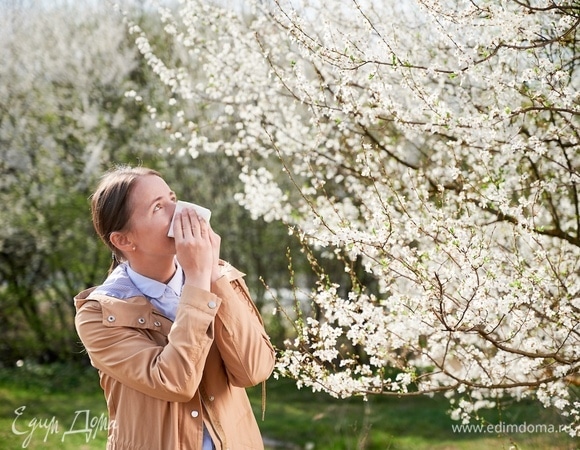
{"x": 173, "y": 331}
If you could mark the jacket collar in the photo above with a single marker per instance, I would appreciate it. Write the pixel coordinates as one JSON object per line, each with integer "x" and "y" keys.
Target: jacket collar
{"x": 119, "y": 286}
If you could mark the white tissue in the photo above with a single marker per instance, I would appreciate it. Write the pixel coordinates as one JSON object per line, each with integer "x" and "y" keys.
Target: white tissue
{"x": 203, "y": 212}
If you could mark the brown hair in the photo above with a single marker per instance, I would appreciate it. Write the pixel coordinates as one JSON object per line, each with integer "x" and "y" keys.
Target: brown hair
{"x": 110, "y": 206}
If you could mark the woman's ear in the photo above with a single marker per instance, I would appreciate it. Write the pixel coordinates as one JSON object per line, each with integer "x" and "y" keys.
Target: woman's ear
{"x": 122, "y": 242}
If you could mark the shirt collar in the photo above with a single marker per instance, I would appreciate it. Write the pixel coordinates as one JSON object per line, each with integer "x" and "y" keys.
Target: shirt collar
{"x": 153, "y": 288}
{"x": 176, "y": 283}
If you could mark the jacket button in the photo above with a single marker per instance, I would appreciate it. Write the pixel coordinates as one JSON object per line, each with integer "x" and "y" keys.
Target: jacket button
{"x": 111, "y": 318}
{"x": 212, "y": 304}
{"x": 211, "y": 398}
{"x": 157, "y": 323}
{"x": 194, "y": 414}
{"x": 141, "y": 320}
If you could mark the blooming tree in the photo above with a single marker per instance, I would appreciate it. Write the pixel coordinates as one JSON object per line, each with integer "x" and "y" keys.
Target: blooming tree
{"x": 431, "y": 146}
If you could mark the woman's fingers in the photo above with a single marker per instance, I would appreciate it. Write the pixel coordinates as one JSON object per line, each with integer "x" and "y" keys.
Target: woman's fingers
{"x": 203, "y": 226}
{"x": 191, "y": 225}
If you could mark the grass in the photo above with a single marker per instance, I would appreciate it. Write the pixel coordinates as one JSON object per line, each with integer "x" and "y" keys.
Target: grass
{"x": 316, "y": 421}
{"x": 45, "y": 403}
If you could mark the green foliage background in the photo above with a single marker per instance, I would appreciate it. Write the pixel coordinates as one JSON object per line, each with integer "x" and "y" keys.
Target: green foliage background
{"x": 65, "y": 119}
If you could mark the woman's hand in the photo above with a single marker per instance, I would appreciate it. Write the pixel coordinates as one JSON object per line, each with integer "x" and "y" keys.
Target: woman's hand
{"x": 195, "y": 246}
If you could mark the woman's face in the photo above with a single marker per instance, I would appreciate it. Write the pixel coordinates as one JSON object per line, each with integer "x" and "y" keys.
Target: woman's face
{"x": 152, "y": 205}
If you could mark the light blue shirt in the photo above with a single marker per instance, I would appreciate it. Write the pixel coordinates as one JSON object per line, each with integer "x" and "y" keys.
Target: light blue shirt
{"x": 165, "y": 298}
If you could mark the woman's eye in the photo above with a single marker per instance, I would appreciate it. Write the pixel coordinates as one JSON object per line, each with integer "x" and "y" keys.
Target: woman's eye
{"x": 157, "y": 207}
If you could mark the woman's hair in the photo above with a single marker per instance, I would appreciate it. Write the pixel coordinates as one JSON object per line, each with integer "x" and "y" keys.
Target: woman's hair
{"x": 110, "y": 205}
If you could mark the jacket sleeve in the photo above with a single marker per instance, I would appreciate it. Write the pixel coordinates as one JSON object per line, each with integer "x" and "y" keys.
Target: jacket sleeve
{"x": 171, "y": 372}
{"x": 240, "y": 336}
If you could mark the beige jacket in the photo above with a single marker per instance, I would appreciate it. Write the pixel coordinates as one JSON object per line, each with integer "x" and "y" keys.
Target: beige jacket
{"x": 162, "y": 380}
